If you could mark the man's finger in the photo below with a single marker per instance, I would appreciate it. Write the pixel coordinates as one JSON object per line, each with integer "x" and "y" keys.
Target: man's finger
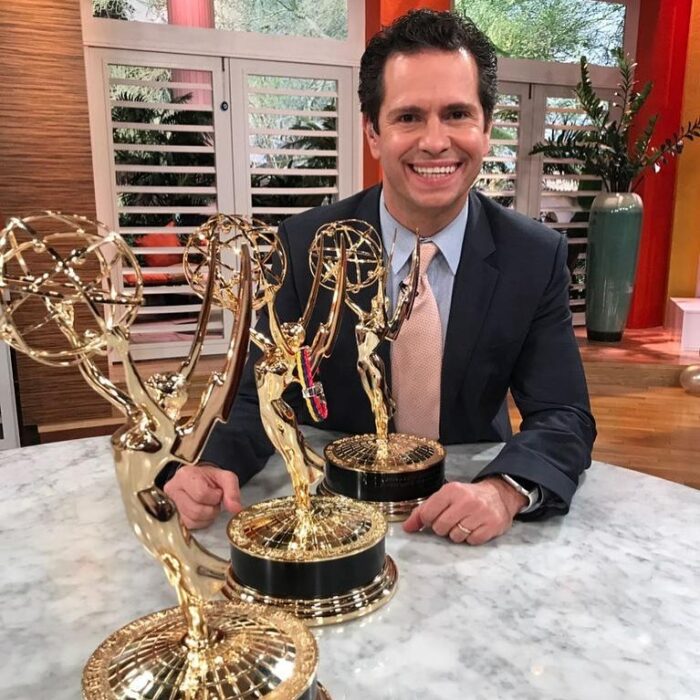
{"x": 232, "y": 505}
{"x": 192, "y": 510}
{"x": 228, "y": 483}
{"x": 199, "y": 488}
{"x": 193, "y": 480}
{"x": 192, "y": 524}
{"x": 480, "y": 535}
{"x": 449, "y": 519}
{"x": 457, "y": 534}
{"x": 413, "y": 523}
{"x": 437, "y": 503}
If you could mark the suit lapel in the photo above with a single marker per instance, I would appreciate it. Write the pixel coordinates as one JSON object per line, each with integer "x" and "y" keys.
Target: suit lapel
{"x": 473, "y": 288}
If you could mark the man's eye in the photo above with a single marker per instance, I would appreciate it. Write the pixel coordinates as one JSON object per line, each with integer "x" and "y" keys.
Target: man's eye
{"x": 459, "y": 114}
{"x": 407, "y": 118}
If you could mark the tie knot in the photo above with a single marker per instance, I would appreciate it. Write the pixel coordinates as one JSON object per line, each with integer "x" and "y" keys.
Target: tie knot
{"x": 428, "y": 249}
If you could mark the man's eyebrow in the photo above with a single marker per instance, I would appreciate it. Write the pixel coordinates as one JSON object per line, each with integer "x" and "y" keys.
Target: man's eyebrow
{"x": 464, "y": 106}
{"x": 406, "y": 109}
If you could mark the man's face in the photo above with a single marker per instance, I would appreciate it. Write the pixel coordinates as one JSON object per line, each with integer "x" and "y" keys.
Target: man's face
{"x": 432, "y": 136}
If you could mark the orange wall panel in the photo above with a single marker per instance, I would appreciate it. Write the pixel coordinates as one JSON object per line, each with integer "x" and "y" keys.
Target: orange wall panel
{"x": 391, "y": 9}
{"x": 662, "y": 43}
{"x": 685, "y": 244}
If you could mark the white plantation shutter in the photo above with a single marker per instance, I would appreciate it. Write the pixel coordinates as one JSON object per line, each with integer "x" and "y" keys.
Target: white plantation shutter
{"x": 179, "y": 138}
{"x": 554, "y": 191}
{"x": 167, "y": 145}
{"x": 298, "y": 125}
{"x": 564, "y": 194}
{"x": 505, "y": 173}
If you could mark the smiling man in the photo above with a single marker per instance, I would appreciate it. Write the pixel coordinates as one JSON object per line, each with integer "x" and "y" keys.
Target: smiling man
{"x": 493, "y": 316}
{"x": 430, "y": 135}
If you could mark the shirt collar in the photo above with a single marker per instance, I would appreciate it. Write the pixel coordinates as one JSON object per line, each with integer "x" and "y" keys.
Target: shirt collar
{"x": 448, "y": 240}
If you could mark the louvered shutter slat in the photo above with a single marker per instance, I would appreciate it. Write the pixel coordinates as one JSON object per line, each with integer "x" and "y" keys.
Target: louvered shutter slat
{"x": 566, "y": 193}
{"x": 290, "y": 120}
{"x": 499, "y": 174}
{"x": 165, "y": 184}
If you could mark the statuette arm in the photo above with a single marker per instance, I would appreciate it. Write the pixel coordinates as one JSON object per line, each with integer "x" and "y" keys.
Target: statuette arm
{"x": 216, "y": 400}
{"x": 406, "y": 295}
{"x": 328, "y": 331}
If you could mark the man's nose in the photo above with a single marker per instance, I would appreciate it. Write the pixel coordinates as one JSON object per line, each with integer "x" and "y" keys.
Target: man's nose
{"x": 435, "y": 138}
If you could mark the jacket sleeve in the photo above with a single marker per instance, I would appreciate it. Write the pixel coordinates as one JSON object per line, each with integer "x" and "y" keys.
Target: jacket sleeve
{"x": 240, "y": 444}
{"x": 548, "y": 384}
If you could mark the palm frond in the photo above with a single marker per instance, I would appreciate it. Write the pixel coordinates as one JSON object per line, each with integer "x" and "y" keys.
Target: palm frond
{"x": 641, "y": 145}
{"x": 604, "y": 150}
{"x": 639, "y": 98}
{"x": 591, "y": 103}
{"x": 672, "y": 147}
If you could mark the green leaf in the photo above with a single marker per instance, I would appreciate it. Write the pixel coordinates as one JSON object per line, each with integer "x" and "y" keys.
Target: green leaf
{"x": 605, "y": 150}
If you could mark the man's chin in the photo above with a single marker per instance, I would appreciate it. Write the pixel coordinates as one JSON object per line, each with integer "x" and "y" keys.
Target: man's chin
{"x": 439, "y": 203}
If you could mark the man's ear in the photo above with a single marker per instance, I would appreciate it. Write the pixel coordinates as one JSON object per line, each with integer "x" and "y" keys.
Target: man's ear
{"x": 372, "y": 137}
{"x": 487, "y": 138}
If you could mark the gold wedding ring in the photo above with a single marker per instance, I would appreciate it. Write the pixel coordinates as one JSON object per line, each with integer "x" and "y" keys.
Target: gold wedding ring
{"x": 465, "y": 530}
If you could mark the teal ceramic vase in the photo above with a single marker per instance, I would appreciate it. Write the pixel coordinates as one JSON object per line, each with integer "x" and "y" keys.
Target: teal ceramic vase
{"x": 614, "y": 228}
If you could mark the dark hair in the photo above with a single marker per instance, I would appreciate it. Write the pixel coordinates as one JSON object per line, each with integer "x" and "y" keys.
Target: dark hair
{"x": 421, "y": 30}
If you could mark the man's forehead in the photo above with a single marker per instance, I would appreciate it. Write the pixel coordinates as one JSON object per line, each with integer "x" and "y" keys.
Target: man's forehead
{"x": 448, "y": 56}
{"x": 457, "y": 85}
{"x": 443, "y": 69}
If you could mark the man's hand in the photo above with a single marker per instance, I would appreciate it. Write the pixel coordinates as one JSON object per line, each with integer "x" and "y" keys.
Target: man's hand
{"x": 483, "y": 511}
{"x": 199, "y": 491}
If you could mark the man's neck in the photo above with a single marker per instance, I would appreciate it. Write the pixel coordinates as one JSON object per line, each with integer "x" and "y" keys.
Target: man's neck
{"x": 423, "y": 222}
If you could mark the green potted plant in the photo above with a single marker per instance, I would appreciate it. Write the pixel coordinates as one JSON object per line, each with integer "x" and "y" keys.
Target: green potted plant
{"x": 608, "y": 151}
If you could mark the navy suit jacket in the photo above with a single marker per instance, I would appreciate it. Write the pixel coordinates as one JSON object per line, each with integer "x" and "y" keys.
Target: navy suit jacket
{"x": 509, "y": 327}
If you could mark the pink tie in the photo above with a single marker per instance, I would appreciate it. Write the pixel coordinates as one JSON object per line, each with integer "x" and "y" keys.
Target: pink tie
{"x": 416, "y": 360}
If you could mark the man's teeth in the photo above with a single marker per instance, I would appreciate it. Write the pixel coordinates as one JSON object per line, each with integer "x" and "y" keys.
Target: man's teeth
{"x": 435, "y": 172}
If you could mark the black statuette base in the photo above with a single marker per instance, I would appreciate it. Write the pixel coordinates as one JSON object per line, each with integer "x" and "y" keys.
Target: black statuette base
{"x": 397, "y": 468}
{"x": 308, "y": 579}
{"x": 383, "y": 486}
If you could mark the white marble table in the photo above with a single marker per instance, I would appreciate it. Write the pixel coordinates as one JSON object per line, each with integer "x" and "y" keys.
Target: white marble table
{"x": 602, "y": 604}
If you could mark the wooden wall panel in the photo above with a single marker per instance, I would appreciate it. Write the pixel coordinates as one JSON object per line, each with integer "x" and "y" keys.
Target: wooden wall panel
{"x": 46, "y": 162}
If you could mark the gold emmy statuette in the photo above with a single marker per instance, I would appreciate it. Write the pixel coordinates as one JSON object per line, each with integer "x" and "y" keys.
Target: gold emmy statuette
{"x": 393, "y": 471}
{"x": 321, "y": 558}
{"x": 60, "y": 272}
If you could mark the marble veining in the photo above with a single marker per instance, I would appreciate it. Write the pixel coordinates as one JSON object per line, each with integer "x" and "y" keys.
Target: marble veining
{"x": 602, "y": 604}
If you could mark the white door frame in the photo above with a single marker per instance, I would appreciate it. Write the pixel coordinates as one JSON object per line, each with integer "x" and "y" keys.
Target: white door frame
{"x": 8, "y": 407}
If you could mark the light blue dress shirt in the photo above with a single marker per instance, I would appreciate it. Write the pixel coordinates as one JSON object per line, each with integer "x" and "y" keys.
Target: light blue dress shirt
{"x": 443, "y": 267}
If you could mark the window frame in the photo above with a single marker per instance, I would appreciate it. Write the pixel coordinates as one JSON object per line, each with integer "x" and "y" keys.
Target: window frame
{"x": 540, "y": 78}
{"x": 526, "y": 70}
{"x": 151, "y": 36}
{"x": 8, "y": 406}
{"x": 240, "y": 69}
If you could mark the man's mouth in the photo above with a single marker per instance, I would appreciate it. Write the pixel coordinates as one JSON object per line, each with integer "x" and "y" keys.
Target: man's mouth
{"x": 434, "y": 171}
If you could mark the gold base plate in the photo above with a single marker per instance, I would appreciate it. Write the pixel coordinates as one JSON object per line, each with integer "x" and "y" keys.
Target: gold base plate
{"x": 278, "y": 530}
{"x": 317, "y": 612}
{"x": 253, "y": 653}
{"x": 397, "y": 454}
{"x": 393, "y": 511}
